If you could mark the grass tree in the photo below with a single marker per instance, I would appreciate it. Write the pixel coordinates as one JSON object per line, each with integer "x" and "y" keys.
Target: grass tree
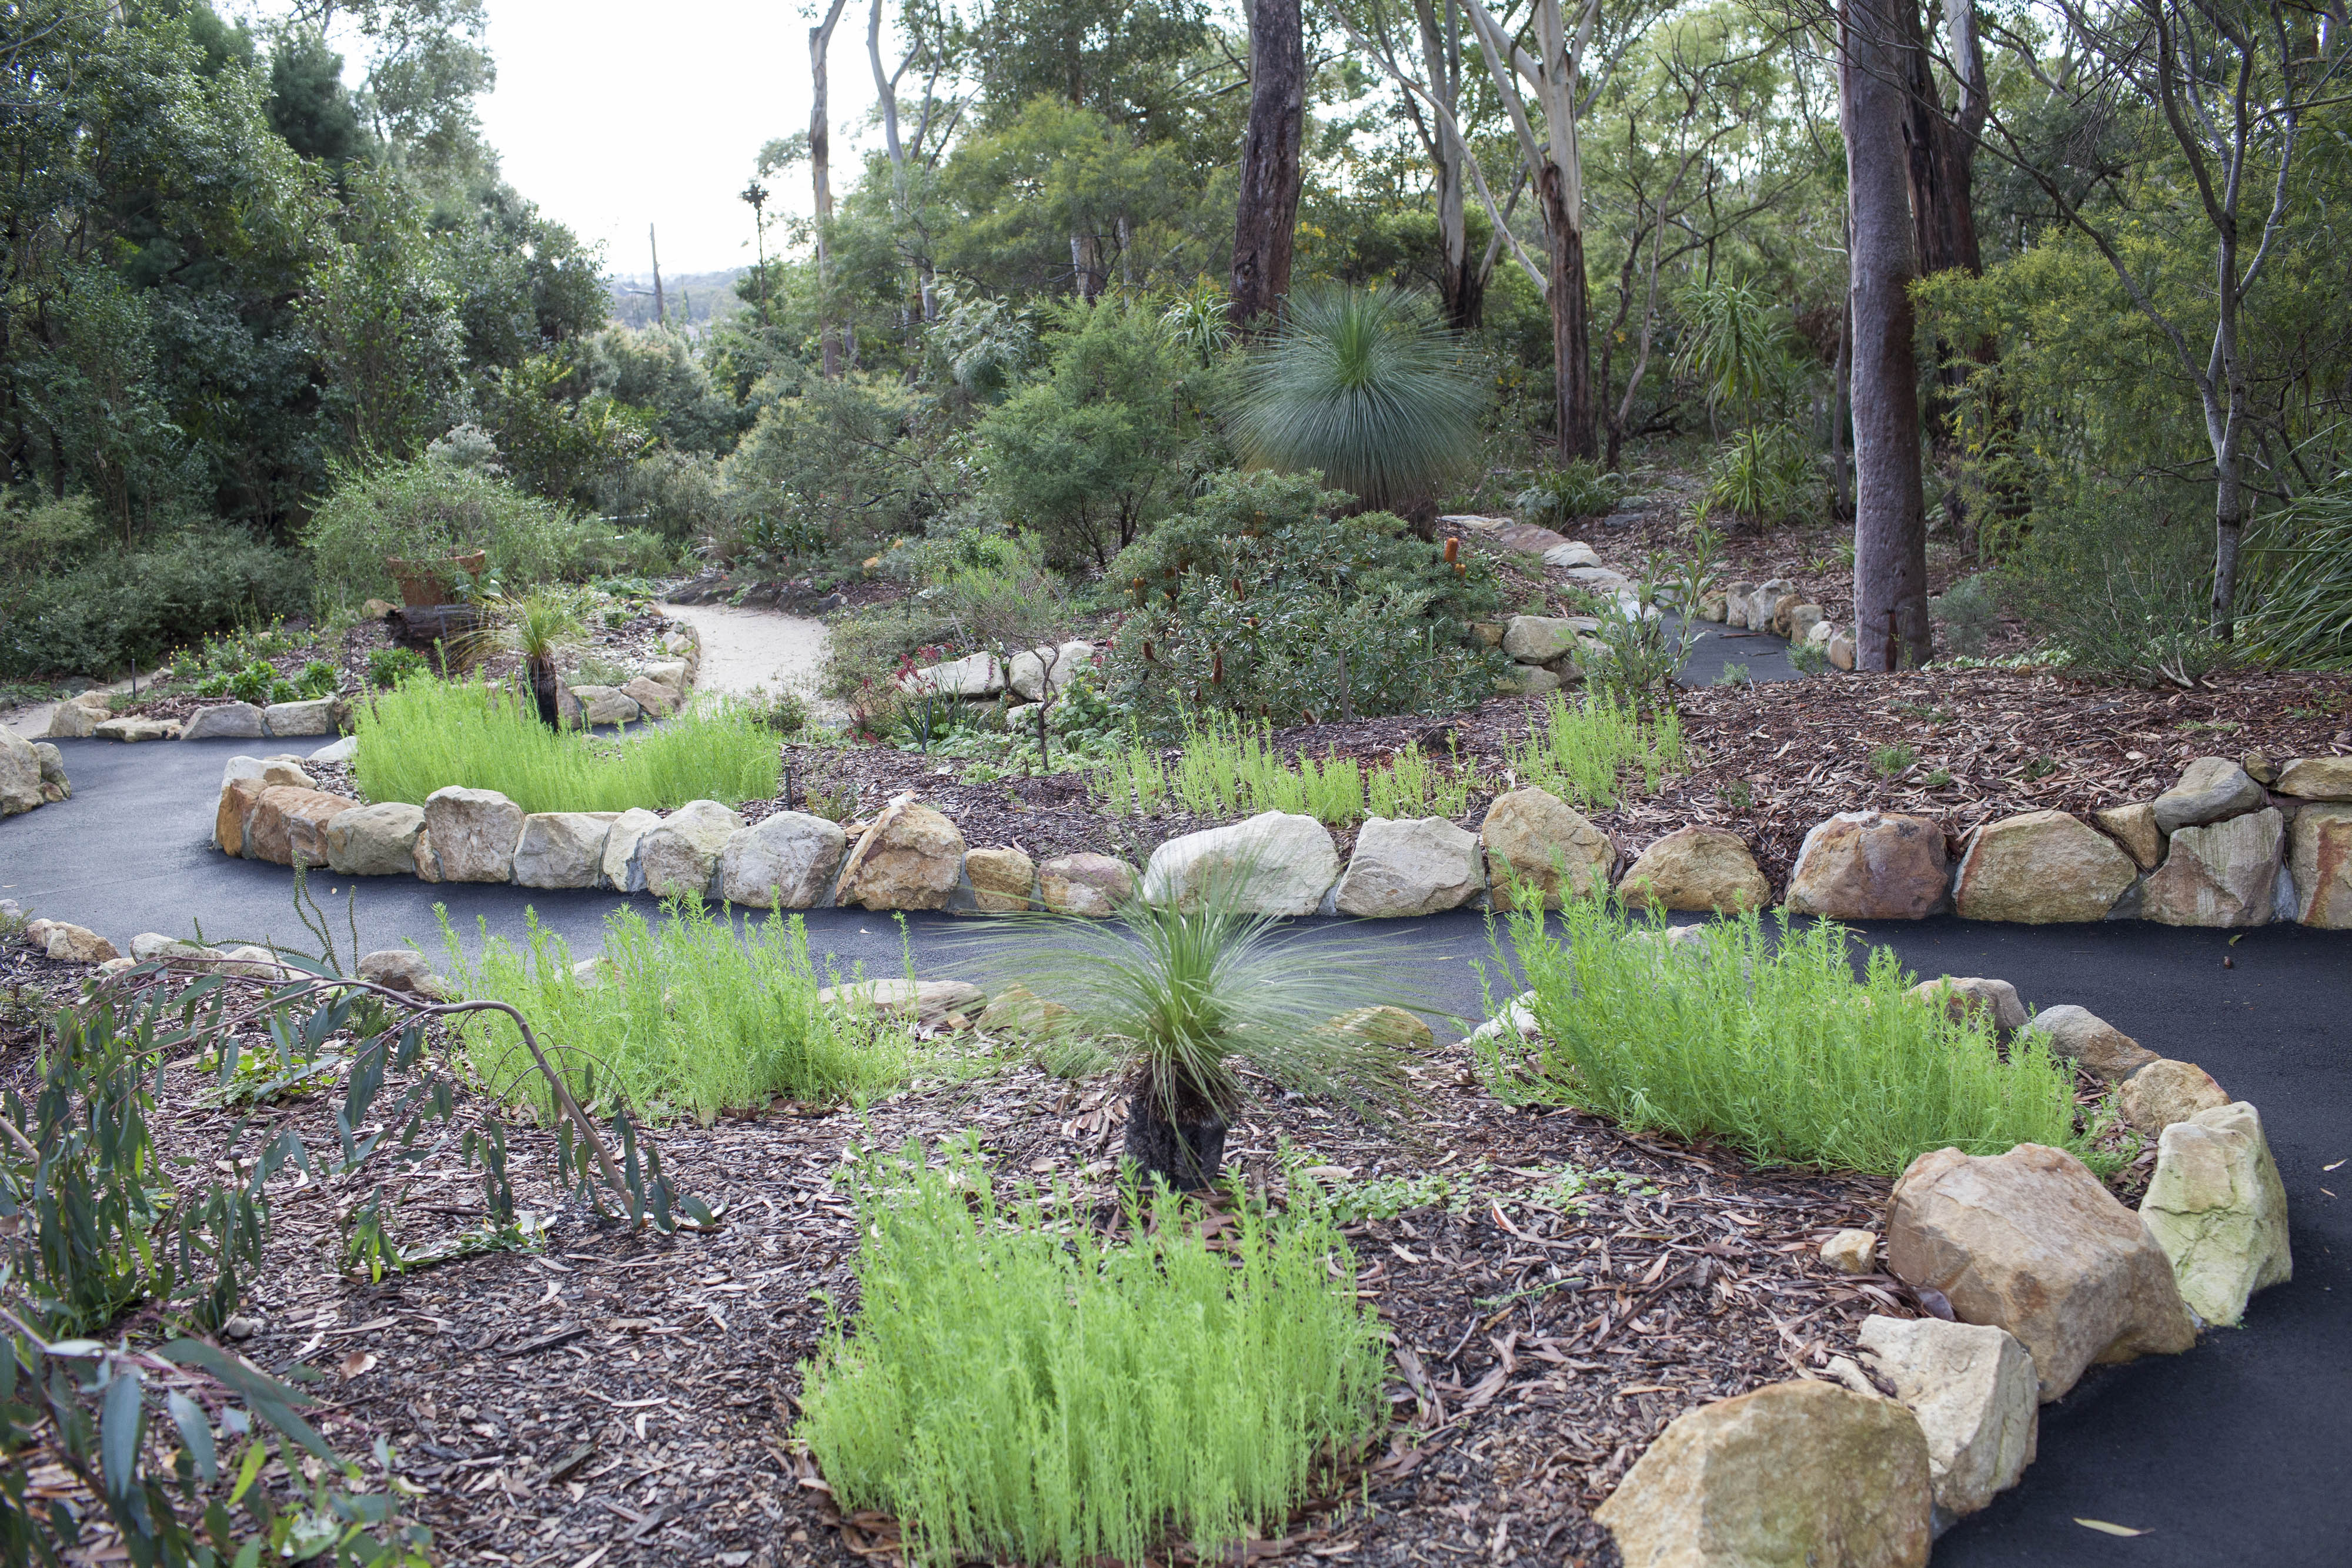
{"x": 1366, "y": 387}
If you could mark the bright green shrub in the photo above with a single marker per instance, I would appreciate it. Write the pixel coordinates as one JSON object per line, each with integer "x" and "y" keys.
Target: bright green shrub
{"x": 115, "y": 610}
{"x": 1769, "y": 1044}
{"x": 1258, "y": 603}
{"x": 1581, "y": 753}
{"x": 1021, "y": 1387}
{"x": 689, "y": 1017}
{"x": 426, "y": 734}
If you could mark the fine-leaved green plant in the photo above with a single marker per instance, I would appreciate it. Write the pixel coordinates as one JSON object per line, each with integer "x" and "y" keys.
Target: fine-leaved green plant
{"x": 1583, "y": 752}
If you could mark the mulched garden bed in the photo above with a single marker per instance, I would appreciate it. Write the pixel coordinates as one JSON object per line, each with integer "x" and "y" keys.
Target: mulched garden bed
{"x": 628, "y": 1398}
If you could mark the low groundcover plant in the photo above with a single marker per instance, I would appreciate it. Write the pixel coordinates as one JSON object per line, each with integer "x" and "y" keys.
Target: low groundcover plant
{"x": 1768, "y": 1043}
{"x": 1022, "y": 1386}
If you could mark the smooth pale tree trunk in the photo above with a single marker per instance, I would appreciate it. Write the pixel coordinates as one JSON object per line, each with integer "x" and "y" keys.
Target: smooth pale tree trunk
{"x": 661, "y": 310}
{"x": 1266, "y": 216}
{"x": 819, "y": 169}
{"x": 1890, "y": 528}
{"x": 1462, "y": 284}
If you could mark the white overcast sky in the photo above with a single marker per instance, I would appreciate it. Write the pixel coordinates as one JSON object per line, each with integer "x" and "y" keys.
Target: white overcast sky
{"x": 614, "y": 116}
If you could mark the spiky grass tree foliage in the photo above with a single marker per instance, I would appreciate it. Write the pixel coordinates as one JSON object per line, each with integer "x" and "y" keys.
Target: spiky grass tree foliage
{"x": 2302, "y": 618}
{"x": 1366, "y": 387}
{"x": 1184, "y": 992}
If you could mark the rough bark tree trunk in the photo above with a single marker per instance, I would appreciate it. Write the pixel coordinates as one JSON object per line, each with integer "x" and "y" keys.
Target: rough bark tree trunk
{"x": 821, "y": 173}
{"x": 1890, "y": 529}
{"x": 1267, "y": 215}
{"x": 1570, "y": 341}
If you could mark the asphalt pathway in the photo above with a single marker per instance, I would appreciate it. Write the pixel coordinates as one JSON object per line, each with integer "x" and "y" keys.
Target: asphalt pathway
{"x": 2238, "y": 1452}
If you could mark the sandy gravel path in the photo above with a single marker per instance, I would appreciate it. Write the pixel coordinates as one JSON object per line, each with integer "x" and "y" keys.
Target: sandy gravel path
{"x": 743, "y": 649}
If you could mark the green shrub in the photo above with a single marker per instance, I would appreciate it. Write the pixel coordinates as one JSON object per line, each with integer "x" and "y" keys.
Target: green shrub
{"x": 1969, "y": 612}
{"x": 1258, "y": 603}
{"x": 2299, "y": 572}
{"x": 1225, "y": 768}
{"x": 2113, "y": 591}
{"x": 113, "y": 611}
{"x": 426, "y": 734}
{"x": 390, "y": 666}
{"x": 1557, "y": 497}
{"x": 1021, "y": 1387}
{"x": 1769, "y": 1044}
{"x": 691, "y": 1016}
{"x": 1765, "y": 473}
{"x": 1581, "y": 752}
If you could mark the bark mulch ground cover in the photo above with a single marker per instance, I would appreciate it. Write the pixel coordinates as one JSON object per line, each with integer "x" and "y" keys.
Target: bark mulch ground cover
{"x": 624, "y": 1398}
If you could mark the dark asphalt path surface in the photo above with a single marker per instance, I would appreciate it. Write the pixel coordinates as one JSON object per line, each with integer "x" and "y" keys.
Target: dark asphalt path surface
{"x": 2238, "y": 1452}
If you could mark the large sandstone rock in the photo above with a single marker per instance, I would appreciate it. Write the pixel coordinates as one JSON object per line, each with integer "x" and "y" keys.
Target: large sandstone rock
{"x": 974, "y": 676}
{"x": 401, "y": 969}
{"x": 375, "y": 840}
{"x": 2030, "y": 1241}
{"x": 153, "y": 944}
{"x": 1390, "y": 1026}
{"x": 925, "y": 1001}
{"x": 606, "y": 704}
{"x": 1541, "y": 639}
{"x": 624, "y": 871}
{"x": 1533, "y": 835}
{"x": 20, "y": 773}
{"x": 2211, "y": 788}
{"x": 1971, "y": 1386}
{"x": 1274, "y": 864}
{"x": 1995, "y": 1001}
{"x": 66, "y": 944}
{"x": 2038, "y": 869}
{"x": 2316, "y": 777}
{"x": 1031, "y": 678}
{"x": 228, "y": 721}
{"x": 1796, "y": 1475}
{"x": 1023, "y": 1014}
{"x": 674, "y": 673}
{"x": 288, "y": 822}
{"x": 2098, "y": 1046}
{"x": 1852, "y": 1252}
{"x": 2224, "y": 875}
{"x": 655, "y": 700}
{"x": 1001, "y": 879}
{"x": 132, "y": 728}
{"x": 2217, "y": 1207}
{"x": 1696, "y": 868}
{"x": 2134, "y": 827}
{"x": 1870, "y": 865}
{"x": 78, "y": 718}
{"x": 681, "y": 855}
{"x": 2165, "y": 1092}
{"x": 783, "y": 862}
{"x": 1085, "y": 883}
{"x": 473, "y": 833}
{"x": 315, "y": 715}
{"x": 1529, "y": 681}
{"x": 2320, "y": 856}
{"x": 1416, "y": 865}
{"x": 911, "y": 858}
{"x": 562, "y": 849}
{"x": 1572, "y": 553}
{"x": 55, "y": 785}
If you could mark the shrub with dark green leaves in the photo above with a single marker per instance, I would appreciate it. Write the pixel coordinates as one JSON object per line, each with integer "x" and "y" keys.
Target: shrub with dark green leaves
{"x": 1258, "y": 601}
{"x": 115, "y": 610}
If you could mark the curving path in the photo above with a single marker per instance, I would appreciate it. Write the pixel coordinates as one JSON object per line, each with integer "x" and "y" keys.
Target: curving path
{"x": 748, "y": 650}
{"x": 2235, "y": 1453}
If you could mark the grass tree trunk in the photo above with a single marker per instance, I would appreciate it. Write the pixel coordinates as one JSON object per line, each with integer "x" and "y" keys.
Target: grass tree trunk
{"x": 1890, "y": 528}
{"x": 1266, "y": 214}
{"x": 821, "y": 175}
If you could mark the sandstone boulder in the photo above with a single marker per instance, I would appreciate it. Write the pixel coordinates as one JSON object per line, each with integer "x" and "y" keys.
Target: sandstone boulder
{"x": 401, "y": 969}
{"x": 911, "y": 858}
{"x": 1021, "y": 1013}
{"x": 2211, "y": 788}
{"x": 1541, "y": 639}
{"x": 562, "y": 849}
{"x": 2032, "y": 1242}
{"x": 1570, "y": 553}
{"x": 375, "y": 840}
{"x": 1696, "y": 868}
{"x": 55, "y": 785}
{"x": 1802, "y": 621}
{"x": 1031, "y": 678}
{"x": 228, "y": 721}
{"x": 925, "y": 1001}
{"x": 1084, "y": 884}
{"x": 1735, "y": 605}
{"x": 2223, "y": 874}
{"x": 1870, "y": 865}
{"x": 20, "y": 773}
{"x": 681, "y": 855}
{"x": 473, "y": 833}
{"x": 135, "y": 727}
{"x": 2217, "y": 1207}
{"x": 314, "y": 715}
{"x": 1001, "y": 879}
{"x": 1841, "y": 651}
{"x": 2096, "y": 1045}
{"x": 336, "y": 752}
{"x": 288, "y": 822}
{"x": 1416, "y": 865}
{"x": 1389, "y": 1025}
{"x": 1971, "y": 1386}
{"x": 2320, "y": 858}
{"x": 2134, "y": 828}
{"x": 1799, "y": 1473}
{"x": 783, "y": 862}
{"x": 1852, "y": 1252}
{"x": 1533, "y": 836}
{"x": 623, "y": 870}
{"x": 606, "y": 704}
{"x": 1527, "y": 681}
{"x": 1274, "y": 864}
{"x": 654, "y": 699}
{"x": 1517, "y": 1020}
{"x": 974, "y": 676}
{"x": 152, "y": 944}
{"x": 2038, "y": 869}
{"x": 68, "y": 944}
{"x": 78, "y": 718}
{"x": 673, "y": 674}
{"x": 2316, "y": 777}
{"x": 1995, "y": 1001}
{"x": 2165, "y": 1092}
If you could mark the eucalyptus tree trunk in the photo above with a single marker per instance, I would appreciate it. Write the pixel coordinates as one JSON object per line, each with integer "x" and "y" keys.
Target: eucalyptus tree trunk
{"x": 1890, "y": 528}
{"x": 1267, "y": 215}
{"x": 1461, "y": 284}
{"x": 821, "y": 172}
